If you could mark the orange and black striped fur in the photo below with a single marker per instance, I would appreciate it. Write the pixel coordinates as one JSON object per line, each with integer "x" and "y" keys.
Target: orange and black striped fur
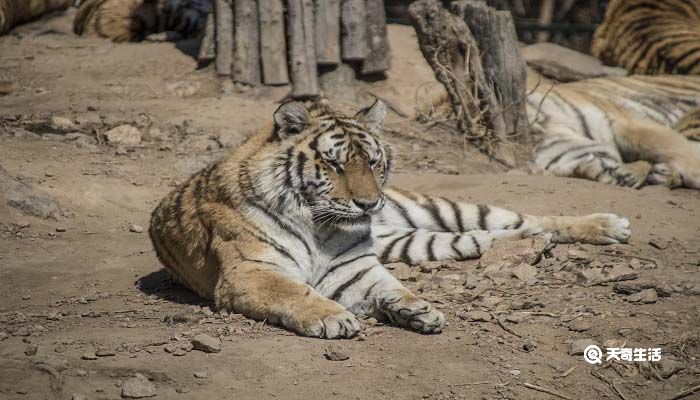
{"x": 15, "y": 12}
{"x": 133, "y": 20}
{"x": 650, "y": 36}
{"x": 293, "y": 227}
{"x": 628, "y": 131}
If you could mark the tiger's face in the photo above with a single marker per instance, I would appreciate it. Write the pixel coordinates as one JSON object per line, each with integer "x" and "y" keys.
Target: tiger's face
{"x": 338, "y": 164}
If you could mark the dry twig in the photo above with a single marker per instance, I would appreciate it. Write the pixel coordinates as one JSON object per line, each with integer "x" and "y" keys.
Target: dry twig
{"x": 545, "y": 390}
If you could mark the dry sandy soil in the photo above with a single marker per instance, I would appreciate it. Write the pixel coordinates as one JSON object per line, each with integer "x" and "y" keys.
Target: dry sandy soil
{"x": 85, "y": 283}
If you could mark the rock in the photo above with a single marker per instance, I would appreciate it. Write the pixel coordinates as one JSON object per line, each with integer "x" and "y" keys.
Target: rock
{"x": 53, "y": 137}
{"x": 126, "y": 135}
{"x": 156, "y": 134}
{"x": 580, "y": 325}
{"x": 21, "y": 133}
{"x": 22, "y": 331}
{"x": 517, "y": 317}
{"x": 88, "y": 120}
{"x": 596, "y": 276}
{"x": 20, "y": 196}
{"x": 31, "y": 350}
{"x": 7, "y": 85}
{"x": 338, "y": 84}
{"x": 525, "y": 272}
{"x": 508, "y": 254}
{"x": 566, "y": 65}
{"x": 529, "y": 345}
{"x": 4, "y": 336}
{"x": 206, "y": 343}
{"x": 646, "y": 296}
{"x": 668, "y": 367}
{"x": 89, "y": 356}
{"x": 659, "y": 244}
{"x": 448, "y": 281}
{"x": 404, "y": 272}
{"x": 471, "y": 281}
{"x": 135, "y": 228}
{"x": 78, "y": 396}
{"x": 138, "y": 388}
{"x": 335, "y": 353}
{"x": 105, "y": 353}
{"x": 184, "y": 88}
{"x": 431, "y": 266}
{"x": 201, "y": 374}
{"x": 62, "y": 124}
{"x": 475, "y": 316}
{"x": 579, "y": 345}
{"x": 178, "y": 349}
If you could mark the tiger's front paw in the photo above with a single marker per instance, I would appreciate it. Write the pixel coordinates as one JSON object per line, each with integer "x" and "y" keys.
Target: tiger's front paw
{"x": 665, "y": 174}
{"x": 633, "y": 174}
{"x": 406, "y": 310}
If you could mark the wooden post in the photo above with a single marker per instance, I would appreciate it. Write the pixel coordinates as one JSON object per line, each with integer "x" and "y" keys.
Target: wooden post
{"x": 224, "y": 37}
{"x": 354, "y": 30}
{"x": 207, "y": 49}
{"x": 246, "y": 38}
{"x": 273, "y": 43}
{"x": 378, "y": 59}
{"x": 302, "y": 49}
{"x": 328, "y": 32}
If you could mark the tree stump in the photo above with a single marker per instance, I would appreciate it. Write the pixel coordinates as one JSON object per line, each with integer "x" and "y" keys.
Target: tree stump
{"x": 353, "y": 17}
{"x": 378, "y": 59}
{"x": 328, "y": 32}
{"x": 224, "y": 37}
{"x": 302, "y": 49}
{"x": 273, "y": 44}
{"x": 481, "y": 68}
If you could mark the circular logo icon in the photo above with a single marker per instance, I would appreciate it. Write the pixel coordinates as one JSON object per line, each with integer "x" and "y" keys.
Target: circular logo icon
{"x": 593, "y": 354}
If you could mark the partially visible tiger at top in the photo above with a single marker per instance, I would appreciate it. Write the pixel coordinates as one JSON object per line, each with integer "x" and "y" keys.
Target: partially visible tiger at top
{"x": 134, "y": 20}
{"x": 15, "y": 12}
{"x": 650, "y": 36}
{"x": 293, "y": 227}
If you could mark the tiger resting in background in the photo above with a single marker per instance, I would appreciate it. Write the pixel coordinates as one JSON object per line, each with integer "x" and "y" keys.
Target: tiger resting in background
{"x": 650, "y": 36}
{"x": 15, "y": 12}
{"x": 133, "y": 20}
{"x": 628, "y": 131}
{"x": 293, "y": 227}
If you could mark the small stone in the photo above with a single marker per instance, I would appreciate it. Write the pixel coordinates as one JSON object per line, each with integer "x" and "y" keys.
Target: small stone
{"x": 4, "y": 336}
{"x": 54, "y": 316}
{"x": 525, "y": 272}
{"x": 335, "y": 353}
{"x": 60, "y": 229}
{"x": 580, "y": 325}
{"x": 27, "y": 297}
{"x": 81, "y": 373}
{"x": 429, "y": 267}
{"x": 529, "y": 346}
{"x": 595, "y": 276}
{"x": 78, "y": 396}
{"x": 668, "y": 367}
{"x": 62, "y": 124}
{"x": 178, "y": 349}
{"x": 31, "y": 350}
{"x": 89, "y": 356}
{"x": 646, "y": 296}
{"x": 579, "y": 345}
{"x": 201, "y": 374}
{"x": 475, "y": 316}
{"x": 182, "y": 390}
{"x": 105, "y": 353}
{"x": 138, "y": 387}
{"x": 206, "y": 343}
{"x": 517, "y": 317}
{"x": 659, "y": 244}
{"x": 135, "y": 228}
{"x": 126, "y": 135}
{"x": 22, "y": 331}
{"x": 184, "y": 88}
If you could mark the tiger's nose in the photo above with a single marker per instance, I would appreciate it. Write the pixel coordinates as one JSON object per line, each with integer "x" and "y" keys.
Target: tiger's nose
{"x": 365, "y": 205}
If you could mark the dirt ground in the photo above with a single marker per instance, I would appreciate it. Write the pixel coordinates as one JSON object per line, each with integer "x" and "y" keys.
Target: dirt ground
{"x": 84, "y": 304}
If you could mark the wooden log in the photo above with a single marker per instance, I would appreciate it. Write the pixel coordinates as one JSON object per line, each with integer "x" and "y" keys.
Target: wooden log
{"x": 207, "y": 49}
{"x": 302, "y": 49}
{"x": 504, "y": 67}
{"x": 224, "y": 36}
{"x": 328, "y": 32}
{"x": 353, "y": 17}
{"x": 273, "y": 43}
{"x": 378, "y": 59}
{"x": 246, "y": 43}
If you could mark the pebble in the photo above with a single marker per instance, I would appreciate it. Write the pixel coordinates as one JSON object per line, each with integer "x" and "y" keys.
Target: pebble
{"x": 105, "y": 353}
{"x": 31, "y": 350}
{"x": 126, "y": 134}
{"x": 206, "y": 343}
{"x": 579, "y": 345}
{"x": 89, "y": 356}
{"x": 517, "y": 317}
{"x": 646, "y": 296}
{"x": 62, "y": 124}
{"x": 60, "y": 229}
{"x": 580, "y": 325}
{"x": 201, "y": 374}
{"x": 475, "y": 316}
{"x": 525, "y": 272}
{"x": 138, "y": 387}
{"x": 27, "y": 297}
{"x": 335, "y": 353}
{"x": 659, "y": 244}
{"x": 78, "y": 396}
{"x": 135, "y": 228}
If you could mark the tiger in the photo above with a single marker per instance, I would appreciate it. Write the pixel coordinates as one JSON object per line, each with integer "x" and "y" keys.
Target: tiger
{"x": 294, "y": 227}
{"x": 15, "y": 12}
{"x": 134, "y": 20}
{"x": 650, "y": 36}
{"x": 628, "y": 131}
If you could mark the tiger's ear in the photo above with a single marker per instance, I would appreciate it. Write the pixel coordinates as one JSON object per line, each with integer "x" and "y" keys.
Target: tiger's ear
{"x": 374, "y": 115}
{"x": 290, "y": 119}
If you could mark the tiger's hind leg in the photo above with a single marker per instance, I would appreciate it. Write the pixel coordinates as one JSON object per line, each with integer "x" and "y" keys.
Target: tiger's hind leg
{"x": 675, "y": 159}
{"x": 587, "y": 159}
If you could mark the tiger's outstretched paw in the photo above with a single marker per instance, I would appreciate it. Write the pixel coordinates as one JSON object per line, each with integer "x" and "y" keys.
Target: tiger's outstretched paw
{"x": 665, "y": 174}
{"x": 337, "y": 325}
{"x": 405, "y": 309}
{"x": 633, "y": 174}
{"x": 604, "y": 229}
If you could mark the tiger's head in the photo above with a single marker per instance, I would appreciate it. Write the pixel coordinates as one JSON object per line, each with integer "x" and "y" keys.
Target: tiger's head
{"x": 335, "y": 165}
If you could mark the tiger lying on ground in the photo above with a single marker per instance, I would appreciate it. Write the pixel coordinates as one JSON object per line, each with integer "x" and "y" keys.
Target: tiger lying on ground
{"x": 621, "y": 130}
{"x": 650, "y": 36}
{"x": 293, "y": 227}
{"x": 15, "y": 12}
{"x": 133, "y": 20}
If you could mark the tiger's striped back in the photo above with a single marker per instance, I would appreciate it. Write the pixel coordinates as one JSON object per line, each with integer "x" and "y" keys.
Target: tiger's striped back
{"x": 650, "y": 36}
